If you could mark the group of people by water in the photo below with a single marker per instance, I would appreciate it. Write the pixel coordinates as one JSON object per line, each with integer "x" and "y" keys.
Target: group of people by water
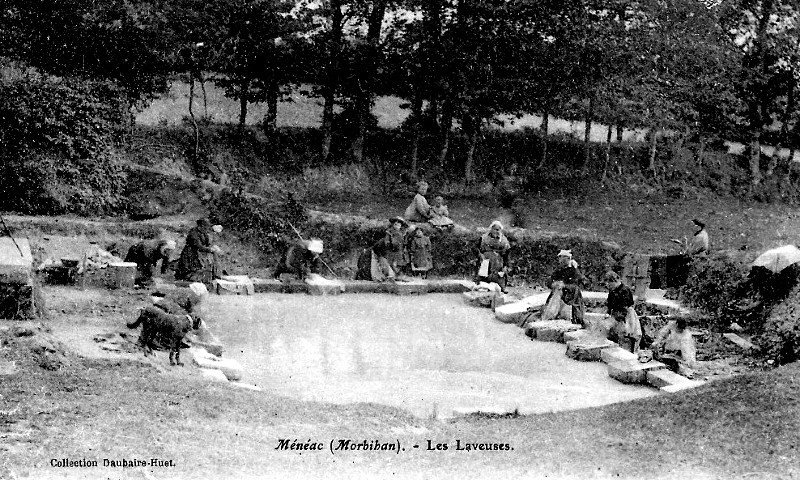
{"x": 405, "y": 247}
{"x": 673, "y": 343}
{"x": 196, "y": 263}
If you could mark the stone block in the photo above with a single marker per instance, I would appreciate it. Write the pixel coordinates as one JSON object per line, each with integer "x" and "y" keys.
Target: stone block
{"x": 246, "y": 386}
{"x": 16, "y": 261}
{"x": 213, "y": 374}
{"x": 358, "y": 286}
{"x": 552, "y": 330}
{"x": 665, "y": 378}
{"x": 667, "y": 306}
{"x": 480, "y": 298}
{"x": 233, "y": 285}
{"x": 682, "y": 386}
{"x": 617, "y": 354}
{"x": 588, "y": 349}
{"x": 512, "y": 312}
{"x": 231, "y": 368}
{"x": 450, "y": 286}
{"x": 261, "y": 285}
{"x": 632, "y": 372}
{"x": 214, "y": 348}
{"x": 575, "y": 335}
{"x": 322, "y": 286}
{"x": 536, "y": 300}
{"x": 739, "y": 341}
{"x": 502, "y": 299}
{"x": 599, "y": 323}
{"x": 410, "y": 288}
{"x": 225, "y": 287}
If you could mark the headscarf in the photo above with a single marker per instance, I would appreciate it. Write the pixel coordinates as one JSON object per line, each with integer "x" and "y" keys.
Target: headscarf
{"x": 568, "y": 254}
{"x": 315, "y": 246}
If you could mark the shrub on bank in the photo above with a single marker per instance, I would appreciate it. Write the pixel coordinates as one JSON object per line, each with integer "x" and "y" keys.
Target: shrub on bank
{"x": 713, "y": 284}
{"x": 55, "y": 137}
{"x": 780, "y": 339}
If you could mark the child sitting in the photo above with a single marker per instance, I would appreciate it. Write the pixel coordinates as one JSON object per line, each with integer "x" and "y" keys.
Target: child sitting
{"x": 420, "y": 249}
{"x": 440, "y": 215}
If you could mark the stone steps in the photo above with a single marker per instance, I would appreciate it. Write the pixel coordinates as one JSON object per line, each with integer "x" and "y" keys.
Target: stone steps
{"x": 633, "y": 371}
{"x": 589, "y": 348}
{"x": 552, "y": 330}
{"x": 617, "y": 354}
{"x": 667, "y": 378}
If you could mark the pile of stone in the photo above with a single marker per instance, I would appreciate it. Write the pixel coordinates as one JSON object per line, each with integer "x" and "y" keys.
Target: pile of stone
{"x": 17, "y": 288}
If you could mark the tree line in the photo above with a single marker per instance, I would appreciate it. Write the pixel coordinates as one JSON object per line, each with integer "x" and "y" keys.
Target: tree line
{"x": 700, "y": 69}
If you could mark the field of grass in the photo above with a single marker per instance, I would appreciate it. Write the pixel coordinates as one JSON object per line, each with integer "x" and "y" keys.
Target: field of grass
{"x": 306, "y": 111}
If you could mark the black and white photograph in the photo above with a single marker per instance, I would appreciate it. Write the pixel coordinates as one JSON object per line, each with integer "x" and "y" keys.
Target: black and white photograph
{"x": 400, "y": 239}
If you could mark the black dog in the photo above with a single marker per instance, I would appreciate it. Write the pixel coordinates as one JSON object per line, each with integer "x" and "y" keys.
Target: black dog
{"x": 156, "y": 323}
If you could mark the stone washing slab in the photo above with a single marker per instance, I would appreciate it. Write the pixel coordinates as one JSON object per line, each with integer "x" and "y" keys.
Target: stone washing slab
{"x": 617, "y": 354}
{"x": 552, "y": 330}
{"x": 740, "y": 342}
{"x": 479, "y": 298}
{"x": 319, "y": 286}
{"x": 450, "y": 286}
{"x": 632, "y": 372}
{"x": 667, "y": 306}
{"x": 15, "y": 267}
{"x": 231, "y": 368}
{"x": 588, "y": 349}
{"x": 600, "y": 323}
{"x": 213, "y": 374}
{"x": 511, "y": 312}
{"x": 682, "y": 386}
{"x": 363, "y": 286}
{"x": 246, "y": 386}
{"x": 576, "y": 335}
{"x": 665, "y": 378}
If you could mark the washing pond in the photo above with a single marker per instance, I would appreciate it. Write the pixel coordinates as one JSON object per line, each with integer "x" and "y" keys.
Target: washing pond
{"x": 430, "y": 354}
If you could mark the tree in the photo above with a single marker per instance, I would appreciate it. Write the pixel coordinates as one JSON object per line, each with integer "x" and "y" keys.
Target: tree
{"x": 766, "y": 32}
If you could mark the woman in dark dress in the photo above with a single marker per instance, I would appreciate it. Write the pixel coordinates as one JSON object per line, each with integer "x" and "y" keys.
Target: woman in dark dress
{"x": 493, "y": 248}
{"x": 146, "y": 255}
{"x": 198, "y": 255}
{"x": 568, "y": 279}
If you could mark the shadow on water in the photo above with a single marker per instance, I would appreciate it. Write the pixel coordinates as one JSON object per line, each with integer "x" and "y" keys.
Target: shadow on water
{"x": 427, "y": 354}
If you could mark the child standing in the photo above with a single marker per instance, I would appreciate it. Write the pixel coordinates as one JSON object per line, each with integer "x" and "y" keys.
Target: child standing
{"x": 420, "y": 249}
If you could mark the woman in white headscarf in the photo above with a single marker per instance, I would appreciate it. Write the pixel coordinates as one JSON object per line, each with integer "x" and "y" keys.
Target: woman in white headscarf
{"x": 493, "y": 248}
{"x": 300, "y": 259}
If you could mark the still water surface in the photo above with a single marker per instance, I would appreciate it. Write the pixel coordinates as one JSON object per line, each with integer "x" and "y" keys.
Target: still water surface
{"x": 428, "y": 354}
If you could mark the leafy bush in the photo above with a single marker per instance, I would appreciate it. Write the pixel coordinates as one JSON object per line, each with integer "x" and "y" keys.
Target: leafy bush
{"x": 780, "y": 339}
{"x": 55, "y": 136}
{"x": 714, "y": 282}
{"x": 264, "y": 224}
